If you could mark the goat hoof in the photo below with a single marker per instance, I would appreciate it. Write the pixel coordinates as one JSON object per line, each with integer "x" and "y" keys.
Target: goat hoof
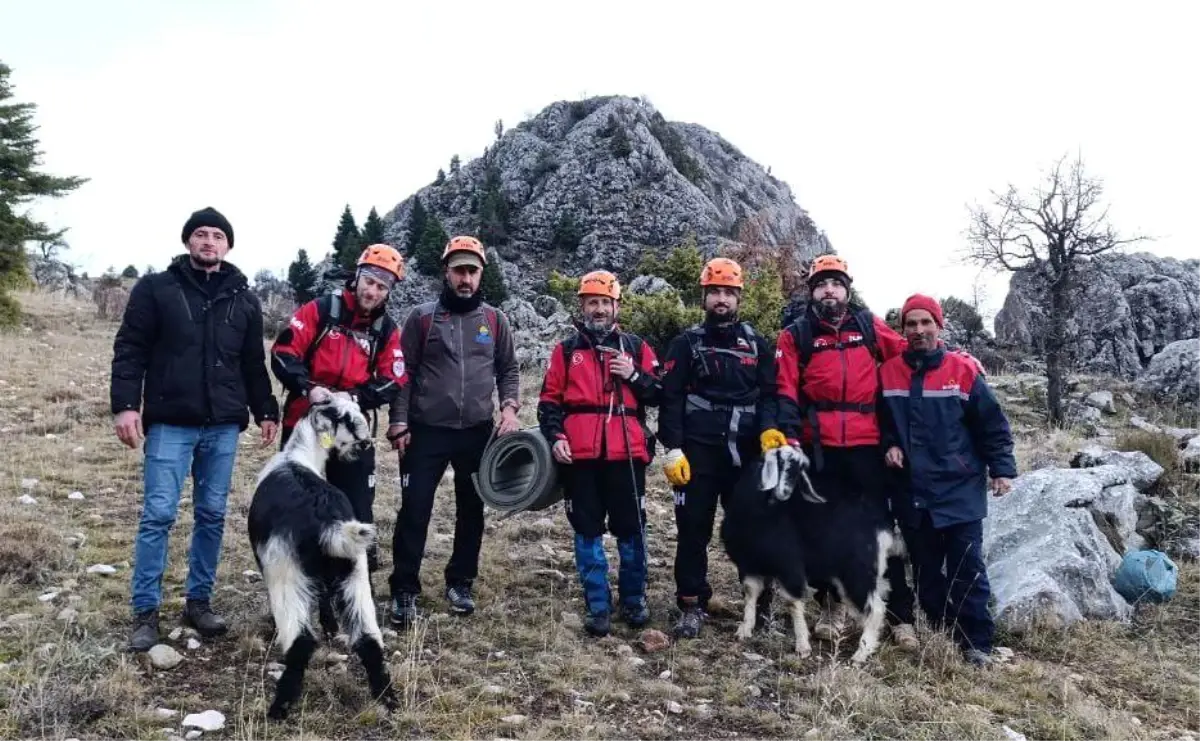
{"x": 744, "y": 633}
{"x": 804, "y": 651}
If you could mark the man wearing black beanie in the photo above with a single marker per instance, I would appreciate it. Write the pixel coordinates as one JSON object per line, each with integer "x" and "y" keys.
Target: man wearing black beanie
{"x": 188, "y": 368}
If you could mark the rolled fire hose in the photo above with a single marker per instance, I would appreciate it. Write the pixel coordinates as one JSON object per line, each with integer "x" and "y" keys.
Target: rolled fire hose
{"x": 518, "y": 473}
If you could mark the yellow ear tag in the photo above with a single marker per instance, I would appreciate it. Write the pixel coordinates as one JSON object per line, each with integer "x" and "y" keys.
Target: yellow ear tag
{"x": 326, "y": 440}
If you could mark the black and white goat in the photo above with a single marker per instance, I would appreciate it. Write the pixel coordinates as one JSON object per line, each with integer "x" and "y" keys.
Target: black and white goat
{"x": 309, "y": 546}
{"x": 819, "y": 541}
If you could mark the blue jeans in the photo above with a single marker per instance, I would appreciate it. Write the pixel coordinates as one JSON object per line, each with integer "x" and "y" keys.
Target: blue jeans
{"x": 170, "y": 451}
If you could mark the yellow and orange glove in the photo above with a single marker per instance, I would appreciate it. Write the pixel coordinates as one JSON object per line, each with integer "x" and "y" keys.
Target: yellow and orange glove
{"x": 677, "y": 468}
{"x": 771, "y": 439}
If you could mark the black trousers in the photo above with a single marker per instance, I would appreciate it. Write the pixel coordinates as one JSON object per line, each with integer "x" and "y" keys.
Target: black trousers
{"x": 355, "y": 478}
{"x": 952, "y": 579}
{"x": 860, "y": 472}
{"x": 601, "y": 496}
{"x": 713, "y": 480}
{"x": 421, "y": 470}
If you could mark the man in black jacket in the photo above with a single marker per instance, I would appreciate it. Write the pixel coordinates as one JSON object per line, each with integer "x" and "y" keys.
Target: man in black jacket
{"x": 188, "y": 366}
{"x": 718, "y": 391}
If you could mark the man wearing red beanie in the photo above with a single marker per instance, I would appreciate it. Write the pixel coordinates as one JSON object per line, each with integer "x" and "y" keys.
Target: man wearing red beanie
{"x": 942, "y": 427}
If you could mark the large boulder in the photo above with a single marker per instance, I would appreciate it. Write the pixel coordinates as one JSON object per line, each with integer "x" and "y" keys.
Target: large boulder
{"x": 1053, "y": 543}
{"x": 1130, "y": 306}
{"x": 1174, "y": 373}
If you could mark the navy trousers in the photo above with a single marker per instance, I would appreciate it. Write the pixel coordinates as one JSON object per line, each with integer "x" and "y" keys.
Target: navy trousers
{"x": 951, "y": 578}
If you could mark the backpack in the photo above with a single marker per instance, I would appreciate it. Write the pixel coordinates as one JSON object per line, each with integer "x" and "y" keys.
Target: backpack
{"x": 696, "y": 344}
{"x": 489, "y": 313}
{"x": 802, "y": 334}
{"x": 329, "y": 315}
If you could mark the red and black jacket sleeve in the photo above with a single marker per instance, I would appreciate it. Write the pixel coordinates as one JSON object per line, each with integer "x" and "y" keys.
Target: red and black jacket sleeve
{"x": 675, "y": 381}
{"x": 387, "y": 377}
{"x": 287, "y": 354}
{"x": 768, "y": 404}
{"x": 787, "y": 386}
{"x": 645, "y": 383}
{"x": 550, "y": 401}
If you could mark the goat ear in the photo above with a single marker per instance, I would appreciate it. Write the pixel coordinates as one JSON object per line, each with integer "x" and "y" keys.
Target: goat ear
{"x": 768, "y": 478}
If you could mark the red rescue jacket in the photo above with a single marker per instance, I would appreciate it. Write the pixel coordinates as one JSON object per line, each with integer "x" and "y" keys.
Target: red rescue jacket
{"x": 579, "y": 402}
{"x": 356, "y": 353}
{"x": 841, "y": 381}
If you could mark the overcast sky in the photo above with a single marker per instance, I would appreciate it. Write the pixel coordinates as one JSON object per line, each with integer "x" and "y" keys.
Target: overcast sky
{"x": 886, "y": 119}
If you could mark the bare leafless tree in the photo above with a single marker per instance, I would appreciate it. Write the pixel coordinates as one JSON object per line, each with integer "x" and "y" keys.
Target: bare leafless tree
{"x": 1049, "y": 233}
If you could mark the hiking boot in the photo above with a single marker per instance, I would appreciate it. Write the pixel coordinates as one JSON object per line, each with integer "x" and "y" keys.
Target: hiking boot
{"x": 635, "y": 614}
{"x": 905, "y": 638}
{"x": 689, "y": 623}
{"x": 145, "y": 631}
{"x": 404, "y": 610}
{"x": 460, "y": 600}
{"x": 198, "y": 614}
{"x": 978, "y": 659}
{"x": 597, "y": 624}
{"x": 832, "y": 622}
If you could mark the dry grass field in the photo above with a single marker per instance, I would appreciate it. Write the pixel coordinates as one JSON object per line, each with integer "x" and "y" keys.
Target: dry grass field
{"x": 521, "y": 666}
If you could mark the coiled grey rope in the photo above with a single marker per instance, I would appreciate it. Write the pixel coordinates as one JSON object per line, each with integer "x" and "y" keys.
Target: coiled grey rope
{"x": 518, "y": 473}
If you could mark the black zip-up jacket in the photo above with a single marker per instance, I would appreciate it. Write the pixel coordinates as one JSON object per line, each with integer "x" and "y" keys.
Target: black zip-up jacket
{"x": 190, "y": 350}
{"x": 738, "y": 374}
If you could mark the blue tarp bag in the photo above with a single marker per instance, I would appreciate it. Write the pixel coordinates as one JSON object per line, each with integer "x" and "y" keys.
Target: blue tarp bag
{"x": 1147, "y": 576}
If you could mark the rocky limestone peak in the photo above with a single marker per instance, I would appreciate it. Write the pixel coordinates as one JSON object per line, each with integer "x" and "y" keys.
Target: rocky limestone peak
{"x": 1131, "y": 306}
{"x": 591, "y": 183}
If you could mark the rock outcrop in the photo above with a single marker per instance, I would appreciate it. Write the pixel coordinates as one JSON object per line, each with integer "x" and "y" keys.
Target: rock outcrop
{"x": 1053, "y": 543}
{"x": 1131, "y": 307}
{"x": 592, "y": 183}
{"x": 1174, "y": 373}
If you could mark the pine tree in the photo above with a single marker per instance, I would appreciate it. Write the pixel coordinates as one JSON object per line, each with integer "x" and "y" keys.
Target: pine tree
{"x": 20, "y": 183}
{"x": 302, "y": 277}
{"x": 493, "y": 210}
{"x": 347, "y": 242}
{"x": 372, "y": 231}
{"x": 416, "y": 225}
{"x": 455, "y": 164}
{"x": 491, "y": 285}
{"x": 429, "y": 249}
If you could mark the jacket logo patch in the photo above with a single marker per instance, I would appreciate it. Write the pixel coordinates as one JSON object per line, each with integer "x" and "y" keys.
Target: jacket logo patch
{"x": 576, "y": 358}
{"x": 778, "y": 354}
{"x": 297, "y": 323}
{"x": 398, "y": 367}
{"x": 950, "y": 386}
{"x": 484, "y": 335}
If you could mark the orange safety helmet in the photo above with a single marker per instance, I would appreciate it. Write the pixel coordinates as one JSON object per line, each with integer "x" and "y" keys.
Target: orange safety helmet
{"x": 829, "y": 264}
{"x": 464, "y": 244}
{"x": 600, "y": 283}
{"x": 383, "y": 256}
{"x": 721, "y": 271}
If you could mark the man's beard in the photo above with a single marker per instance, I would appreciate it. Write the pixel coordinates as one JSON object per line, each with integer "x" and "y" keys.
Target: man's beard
{"x": 712, "y": 317}
{"x": 831, "y": 311}
{"x": 598, "y": 327}
{"x": 205, "y": 262}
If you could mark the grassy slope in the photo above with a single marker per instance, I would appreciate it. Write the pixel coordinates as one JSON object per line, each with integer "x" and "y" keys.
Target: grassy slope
{"x": 523, "y": 653}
